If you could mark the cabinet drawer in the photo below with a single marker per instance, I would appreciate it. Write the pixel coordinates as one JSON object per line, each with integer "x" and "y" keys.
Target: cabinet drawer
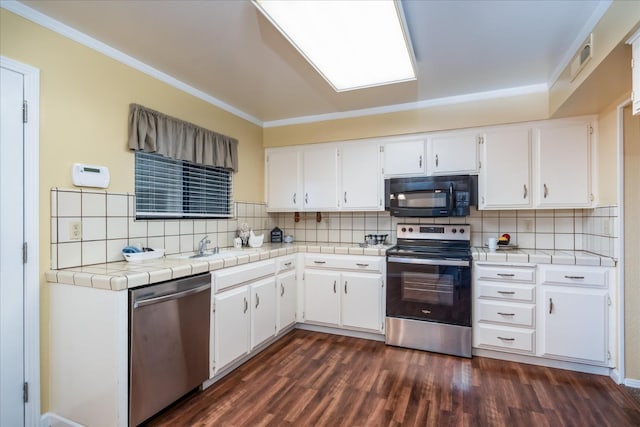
{"x": 506, "y": 273}
{"x": 286, "y": 263}
{"x": 505, "y": 291}
{"x": 512, "y": 314}
{"x": 230, "y": 277}
{"x": 504, "y": 338}
{"x": 593, "y": 278}
{"x": 344, "y": 262}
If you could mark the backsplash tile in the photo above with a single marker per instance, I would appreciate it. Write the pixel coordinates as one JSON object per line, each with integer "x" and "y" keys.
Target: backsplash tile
{"x": 108, "y": 225}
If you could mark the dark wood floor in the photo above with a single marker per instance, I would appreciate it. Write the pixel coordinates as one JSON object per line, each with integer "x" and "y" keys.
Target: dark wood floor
{"x": 310, "y": 378}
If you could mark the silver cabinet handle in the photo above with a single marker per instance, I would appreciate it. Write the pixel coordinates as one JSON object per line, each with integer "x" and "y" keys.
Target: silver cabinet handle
{"x": 426, "y": 311}
{"x": 546, "y": 190}
{"x": 345, "y": 197}
{"x": 505, "y": 274}
{"x": 506, "y": 292}
{"x": 550, "y": 305}
{"x": 246, "y": 305}
{"x": 437, "y": 160}
{"x": 506, "y": 339}
{"x": 506, "y": 314}
{"x": 294, "y": 198}
{"x": 163, "y": 298}
{"x": 574, "y": 277}
{"x": 526, "y": 192}
{"x": 281, "y": 290}
{"x": 362, "y": 265}
{"x": 287, "y": 264}
{"x": 306, "y": 198}
{"x": 420, "y": 162}
{"x": 257, "y": 300}
{"x": 334, "y": 287}
{"x": 345, "y": 286}
{"x": 319, "y": 262}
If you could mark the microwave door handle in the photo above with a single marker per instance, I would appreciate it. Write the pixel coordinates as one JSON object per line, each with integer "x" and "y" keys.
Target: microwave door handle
{"x": 451, "y": 207}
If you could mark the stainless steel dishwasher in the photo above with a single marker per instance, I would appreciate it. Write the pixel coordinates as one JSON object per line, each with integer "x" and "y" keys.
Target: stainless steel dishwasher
{"x": 168, "y": 343}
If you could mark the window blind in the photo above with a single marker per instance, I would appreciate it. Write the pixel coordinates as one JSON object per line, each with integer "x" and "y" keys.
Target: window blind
{"x": 170, "y": 188}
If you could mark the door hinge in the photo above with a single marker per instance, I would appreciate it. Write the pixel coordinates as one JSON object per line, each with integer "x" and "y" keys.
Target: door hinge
{"x": 590, "y": 130}
{"x": 25, "y": 112}
{"x": 479, "y": 164}
{"x": 382, "y": 148}
{"x": 24, "y": 252}
{"x": 608, "y": 300}
{"x": 25, "y": 392}
{"x": 608, "y": 355}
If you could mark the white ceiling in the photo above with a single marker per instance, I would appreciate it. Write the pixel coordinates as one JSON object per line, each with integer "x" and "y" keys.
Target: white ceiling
{"x": 229, "y": 51}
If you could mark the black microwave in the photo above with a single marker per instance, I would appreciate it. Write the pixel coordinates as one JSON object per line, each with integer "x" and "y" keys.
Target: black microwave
{"x": 431, "y": 196}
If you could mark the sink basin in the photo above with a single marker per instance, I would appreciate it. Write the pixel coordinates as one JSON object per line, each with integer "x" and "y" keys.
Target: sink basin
{"x": 207, "y": 256}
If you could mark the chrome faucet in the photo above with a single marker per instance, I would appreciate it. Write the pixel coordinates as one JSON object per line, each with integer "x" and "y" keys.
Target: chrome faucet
{"x": 202, "y": 246}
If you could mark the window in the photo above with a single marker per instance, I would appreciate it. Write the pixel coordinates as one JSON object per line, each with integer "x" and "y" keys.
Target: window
{"x": 170, "y": 188}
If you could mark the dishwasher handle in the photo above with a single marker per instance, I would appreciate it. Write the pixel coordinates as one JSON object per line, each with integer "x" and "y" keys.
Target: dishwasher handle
{"x": 169, "y": 297}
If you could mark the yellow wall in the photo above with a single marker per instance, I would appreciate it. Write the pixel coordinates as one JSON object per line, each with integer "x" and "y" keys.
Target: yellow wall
{"x": 470, "y": 114}
{"x": 84, "y": 103}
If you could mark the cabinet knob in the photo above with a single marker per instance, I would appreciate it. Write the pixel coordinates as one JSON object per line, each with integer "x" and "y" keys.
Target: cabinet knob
{"x": 420, "y": 162}
{"x": 437, "y": 160}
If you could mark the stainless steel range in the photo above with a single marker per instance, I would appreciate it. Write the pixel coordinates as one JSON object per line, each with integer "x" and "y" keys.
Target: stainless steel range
{"x": 429, "y": 289}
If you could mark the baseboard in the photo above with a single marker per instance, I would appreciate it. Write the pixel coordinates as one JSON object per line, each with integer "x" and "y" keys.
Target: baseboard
{"x": 50, "y": 419}
{"x": 615, "y": 376}
{"x": 339, "y": 331}
{"x": 630, "y": 382}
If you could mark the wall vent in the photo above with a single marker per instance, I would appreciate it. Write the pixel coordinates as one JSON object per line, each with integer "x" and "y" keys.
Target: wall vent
{"x": 584, "y": 55}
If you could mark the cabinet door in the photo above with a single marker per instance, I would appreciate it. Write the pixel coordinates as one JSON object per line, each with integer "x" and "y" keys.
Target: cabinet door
{"x": 283, "y": 180}
{"x": 231, "y": 326}
{"x": 263, "y": 311}
{"x": 563, "y": 165}
{"x": 287, "y": 299}
{"x": 404, "y": 158}
{"x": 575, "y": 324}
{"x": 322, "y": 297}
{"x": 636, "y": 76}
{"x": 361, "y": 177}
{"x": 504, "y": 179}
{"x": 320, "y": 171}
{"x": 362, "y": 301}
{"x": 452, "y": 153}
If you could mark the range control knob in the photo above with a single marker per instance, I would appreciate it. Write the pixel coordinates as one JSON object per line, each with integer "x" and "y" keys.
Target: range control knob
{"x": 410, "y": 229}
{"x": 453, "y": 230}
{"x": 462, "y": 231}
{"x": 403, "y": 229}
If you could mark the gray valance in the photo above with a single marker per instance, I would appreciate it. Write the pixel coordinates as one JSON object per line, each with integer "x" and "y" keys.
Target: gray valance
{"x": 154, "y": 132}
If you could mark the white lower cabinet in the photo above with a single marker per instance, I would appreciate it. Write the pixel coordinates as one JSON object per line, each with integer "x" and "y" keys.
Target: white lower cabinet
{"x": 336, "y": 295}
{"x": 231, "y": 326}
{"x": 287, "y": 299}
{"x": 263, "y": 311}
{"x": 561, "y": 312}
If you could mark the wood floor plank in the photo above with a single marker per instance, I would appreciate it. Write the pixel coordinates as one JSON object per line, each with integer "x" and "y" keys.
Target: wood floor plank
{"x": 315, "y": 379}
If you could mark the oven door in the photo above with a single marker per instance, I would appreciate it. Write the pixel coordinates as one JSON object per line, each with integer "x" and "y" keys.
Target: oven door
{"x": 427, "y": 289}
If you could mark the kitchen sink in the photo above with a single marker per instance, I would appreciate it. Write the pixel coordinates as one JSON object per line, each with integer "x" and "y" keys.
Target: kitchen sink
{"x": 209, "y": 255}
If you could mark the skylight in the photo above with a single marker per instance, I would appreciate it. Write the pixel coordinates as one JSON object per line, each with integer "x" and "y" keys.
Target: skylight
{"x": 353, "y": 44}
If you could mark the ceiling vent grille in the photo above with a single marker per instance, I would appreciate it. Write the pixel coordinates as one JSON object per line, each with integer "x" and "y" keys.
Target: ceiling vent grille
{"x": 584, "y": 55}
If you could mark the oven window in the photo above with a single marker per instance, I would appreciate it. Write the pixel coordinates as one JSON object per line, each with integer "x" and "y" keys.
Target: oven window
{"x": 430, "y": 288}
{"x": 422, "y": 199}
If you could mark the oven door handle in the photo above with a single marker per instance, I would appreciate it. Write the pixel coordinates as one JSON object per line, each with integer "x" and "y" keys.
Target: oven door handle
{"x": 422, "y": 261}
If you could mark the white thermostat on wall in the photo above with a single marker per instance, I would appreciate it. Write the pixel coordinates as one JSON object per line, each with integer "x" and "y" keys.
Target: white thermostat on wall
{"x": 90, "y": 175}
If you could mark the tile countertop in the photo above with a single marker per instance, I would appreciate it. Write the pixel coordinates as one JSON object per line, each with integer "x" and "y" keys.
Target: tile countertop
{"x": 124, "y": 275}
{"x": 540, "y": 256}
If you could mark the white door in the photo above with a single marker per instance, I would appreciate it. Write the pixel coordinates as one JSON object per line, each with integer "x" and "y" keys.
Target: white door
{"x": 320, "y": 171}
{"x": 263, "y": 311}
{"x": 287, "y": 299}
{"x": 11, "y": 261}
{"x": 362, "y": 301}
{"x": 283, "y": 180}
{"x": 231, "y": 326}
{"x": 405, "y": 158}
{"x": 322, "y": 297}
{"x": 361, "y": 177}
{"x": 452, "y": 153}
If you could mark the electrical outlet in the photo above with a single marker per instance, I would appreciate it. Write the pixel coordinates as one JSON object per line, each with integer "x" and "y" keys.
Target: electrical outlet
{"x": 75, "y": 230}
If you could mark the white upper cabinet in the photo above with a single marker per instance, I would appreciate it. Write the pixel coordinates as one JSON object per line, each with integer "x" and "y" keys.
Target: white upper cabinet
{"x": 283, "y": 183}
{"x": 362, "y": 182}
{"x": 562, "y": 153}
{"x": 404, "y": 158}
{"x": 505, "y": 169}
{"x": 452, "y": 153}
{"x": 635, "y": 72}
{"x": 320, "y": 177}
